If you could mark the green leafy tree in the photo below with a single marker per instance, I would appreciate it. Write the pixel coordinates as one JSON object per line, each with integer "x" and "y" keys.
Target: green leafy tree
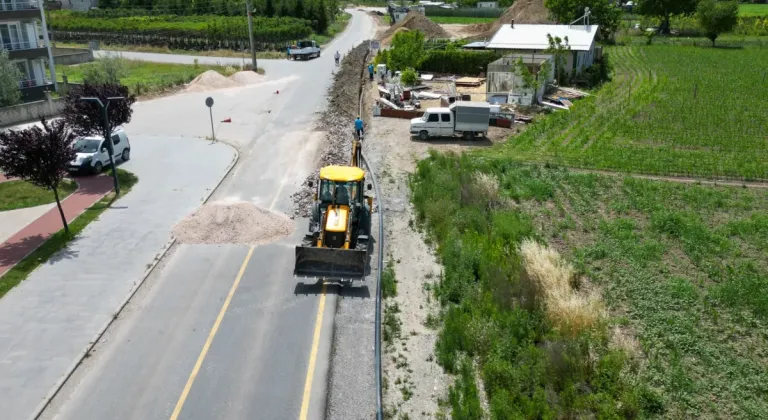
{"x": 717, "y": 17}
{"x": 9, "y": 81}
{"x": 407, "y": 50}
{"x": 409, "y": 77}
{"x": 269, "y": 8}
{"x": 665, "y": 9}
{"x": 602, "y": 12}
{"x": 559, "y": 48}
{"x": 532, "y": 81}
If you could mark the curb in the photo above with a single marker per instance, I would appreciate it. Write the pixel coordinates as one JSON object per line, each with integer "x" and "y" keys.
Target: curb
{"x": 159, "y": 257}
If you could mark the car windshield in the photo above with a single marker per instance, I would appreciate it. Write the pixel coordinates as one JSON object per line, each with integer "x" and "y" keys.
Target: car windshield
{"x": 87, "y": 145}
{"x": 305, "y": 44}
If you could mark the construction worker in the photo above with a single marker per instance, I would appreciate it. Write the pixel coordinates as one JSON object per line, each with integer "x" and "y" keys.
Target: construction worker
{"x": 370, "y": 70}
{"x": 288, "y": 51}
{"x": 359, "y": 130}
{"x": 337, "y": 57}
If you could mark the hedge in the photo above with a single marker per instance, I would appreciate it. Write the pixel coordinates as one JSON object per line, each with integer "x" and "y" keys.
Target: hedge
{"x": 457, "y": 61}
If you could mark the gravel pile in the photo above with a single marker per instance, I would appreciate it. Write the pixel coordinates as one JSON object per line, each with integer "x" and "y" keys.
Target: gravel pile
{"x": 210, "y": 80}
{"x": 247, "y": 77}
{"x": 337, "y": 121}
{"x": 415, "y": 21}
{"x": 238, "y": 222}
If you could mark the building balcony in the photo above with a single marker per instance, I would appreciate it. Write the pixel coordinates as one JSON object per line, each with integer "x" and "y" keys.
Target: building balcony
{"x": 34, "y": 90}
{"x": 24, "y": 50}
{"x": 15, "y": 9}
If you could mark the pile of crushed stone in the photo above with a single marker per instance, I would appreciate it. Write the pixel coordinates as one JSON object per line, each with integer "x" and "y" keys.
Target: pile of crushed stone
{"x": 415, "y": 21}
{"x": 212, "y": 80}
{"x": 247, "y": 77}
{"x": 238, "y": 222}
{"x": 522, "y": 11}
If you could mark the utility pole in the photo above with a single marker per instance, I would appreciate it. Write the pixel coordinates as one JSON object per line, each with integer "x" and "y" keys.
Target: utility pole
{"x": 250, "y": 33}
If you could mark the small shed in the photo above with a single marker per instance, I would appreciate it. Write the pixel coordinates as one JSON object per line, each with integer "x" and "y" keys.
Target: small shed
{"x": 532, "y": 39}
{"x": 487, "y": 5}
{"x": 504, "y": 86}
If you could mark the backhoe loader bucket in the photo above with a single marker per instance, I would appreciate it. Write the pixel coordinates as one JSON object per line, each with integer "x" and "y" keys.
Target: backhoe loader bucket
{"x": 330, "y": 263}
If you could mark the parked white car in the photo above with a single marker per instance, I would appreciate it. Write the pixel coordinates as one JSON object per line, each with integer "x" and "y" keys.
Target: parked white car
{"x": 92, "y": 154}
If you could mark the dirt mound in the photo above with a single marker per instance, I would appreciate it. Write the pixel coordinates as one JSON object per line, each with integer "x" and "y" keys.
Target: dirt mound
{"x": 238, "y": 222}
{"x": 337, "y": 121}
{"x": 387, "y": 41}
{"x": 210, "y": 80}
{"x": 522, "y": 11}
{"x": 415, "y": 21}
{"x": 246, "y": 78}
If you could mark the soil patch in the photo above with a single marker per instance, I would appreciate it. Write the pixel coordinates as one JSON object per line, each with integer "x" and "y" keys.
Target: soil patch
{"x": 238, "y": 222}
{"x": 523, "y": 11}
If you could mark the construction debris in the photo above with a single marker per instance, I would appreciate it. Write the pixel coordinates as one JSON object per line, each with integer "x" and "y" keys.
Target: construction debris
{"x": 469, "y": 81}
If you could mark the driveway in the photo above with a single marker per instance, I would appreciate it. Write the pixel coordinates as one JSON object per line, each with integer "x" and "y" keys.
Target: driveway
{"x": 47, "y": 321}
{"x": 226, "y": 331}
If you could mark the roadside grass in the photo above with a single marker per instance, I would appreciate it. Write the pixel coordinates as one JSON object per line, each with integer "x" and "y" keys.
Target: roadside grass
{"x": 144, "y": 77}
{"x": 753, "y": 10}
{"x": 21, "y": 194}
{"x": 461, "y": 20}
{"x": 388, "y": 281}
{"x": 245, "y": 55}
{"x": 334, "y": 29}
{"x": 60, "y": 239}
{"x": 680, "y": 268}
{"x": 657, "y": 117}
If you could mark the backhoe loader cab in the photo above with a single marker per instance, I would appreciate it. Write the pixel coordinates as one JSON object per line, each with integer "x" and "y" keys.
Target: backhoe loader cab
{"x": 336, "y": 246}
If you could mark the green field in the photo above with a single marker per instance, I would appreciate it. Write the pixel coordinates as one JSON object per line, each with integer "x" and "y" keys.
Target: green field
{"x": 669, "y": 110}
{"x": 144, "y": 77}
{"x": 753, "y": 10}
{"x": 680, "y": 269}
{"x": 460, "y": 19}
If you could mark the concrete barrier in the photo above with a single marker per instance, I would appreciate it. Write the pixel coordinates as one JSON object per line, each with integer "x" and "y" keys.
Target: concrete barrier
{"x": 31, "y": 111}
{"x": 69, "y": 56}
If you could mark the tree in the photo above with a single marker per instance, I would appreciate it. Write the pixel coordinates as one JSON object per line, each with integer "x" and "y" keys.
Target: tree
{"x": 409, "y": 77}
{"x": 559, "y": 48}
{"x": 665, "y": 9}
{"x": 9, "y": 81}
{"x": 717, "y": 17}
{"x": 39, "y": 156}
{"x": 298, "y": 10}
{"x": 407, "y": 50}
{"x": 269, "y": 8}
{"x": 603, "y": 13}
{"x": 530, "y": 80}
{"x": 85, "y": 117}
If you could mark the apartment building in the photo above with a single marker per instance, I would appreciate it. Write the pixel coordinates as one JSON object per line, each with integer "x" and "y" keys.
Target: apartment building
{"x": 21, "y": 34}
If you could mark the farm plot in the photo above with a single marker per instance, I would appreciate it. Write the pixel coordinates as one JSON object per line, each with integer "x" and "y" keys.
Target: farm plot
{"x": 679, "y": 269}
{"x": 669, "y": 110}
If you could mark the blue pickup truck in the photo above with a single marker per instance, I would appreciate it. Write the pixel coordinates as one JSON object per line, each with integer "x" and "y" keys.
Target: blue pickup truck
{"x": 304, "y": 51}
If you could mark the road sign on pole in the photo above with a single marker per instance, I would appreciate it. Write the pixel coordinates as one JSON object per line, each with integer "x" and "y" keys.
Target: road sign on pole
{"x": 209, "y": 104}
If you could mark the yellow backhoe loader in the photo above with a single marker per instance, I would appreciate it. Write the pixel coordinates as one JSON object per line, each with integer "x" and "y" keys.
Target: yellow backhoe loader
{"x": 337, "y": 244}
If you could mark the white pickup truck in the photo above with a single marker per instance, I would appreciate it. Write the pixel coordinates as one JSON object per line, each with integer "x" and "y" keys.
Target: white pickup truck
{"x": 464, "y": 118}
{"x": 305, "y": 50}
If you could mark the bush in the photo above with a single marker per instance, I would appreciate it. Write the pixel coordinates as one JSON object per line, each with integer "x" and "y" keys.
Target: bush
{"x": 109, "y": 69}
{"x": 409, "y": 77}
{"x": 457, "y": 61}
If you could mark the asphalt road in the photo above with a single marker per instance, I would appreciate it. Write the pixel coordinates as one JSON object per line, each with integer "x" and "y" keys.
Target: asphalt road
{"x": 271, "y": 334}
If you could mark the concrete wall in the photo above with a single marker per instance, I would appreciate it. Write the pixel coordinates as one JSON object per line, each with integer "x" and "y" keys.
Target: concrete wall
{"x": 69, "y": 56}
{"x": 30, "y": 111}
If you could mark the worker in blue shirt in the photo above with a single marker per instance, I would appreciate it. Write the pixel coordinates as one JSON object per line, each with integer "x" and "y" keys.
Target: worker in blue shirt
{"x": 370, "y": 70}
{"x": 359, "y": 131}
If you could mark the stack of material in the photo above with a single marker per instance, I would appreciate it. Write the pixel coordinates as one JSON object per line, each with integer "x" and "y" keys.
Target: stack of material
{"x": 469, "y": 81}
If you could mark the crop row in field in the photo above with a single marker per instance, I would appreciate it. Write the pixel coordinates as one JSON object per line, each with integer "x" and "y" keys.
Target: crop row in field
{"x": 668, "y": 110}
{"x": 208, "y": 27}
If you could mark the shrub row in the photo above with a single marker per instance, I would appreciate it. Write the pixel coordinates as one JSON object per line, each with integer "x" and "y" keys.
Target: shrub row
{"x": 457, "y": 61}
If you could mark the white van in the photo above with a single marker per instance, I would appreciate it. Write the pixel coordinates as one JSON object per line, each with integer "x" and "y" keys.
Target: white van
{"x": 92, "y": 154}
{"x": 465, "y": 118}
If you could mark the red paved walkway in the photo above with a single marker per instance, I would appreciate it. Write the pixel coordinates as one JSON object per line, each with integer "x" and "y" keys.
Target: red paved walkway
{"x": 3, "y": 178}
{"x": 90, "y": 190}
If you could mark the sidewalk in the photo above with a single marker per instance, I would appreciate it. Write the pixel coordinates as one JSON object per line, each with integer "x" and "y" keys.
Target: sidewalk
{"x": 89, "y": 191}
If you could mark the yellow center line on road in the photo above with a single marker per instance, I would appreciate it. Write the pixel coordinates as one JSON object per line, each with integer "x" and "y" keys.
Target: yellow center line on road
{"x": 204, "y": 351}
{"x": 313, "y": 356}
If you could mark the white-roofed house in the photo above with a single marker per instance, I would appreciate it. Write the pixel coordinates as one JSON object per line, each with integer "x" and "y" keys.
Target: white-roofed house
{"x": 532, "y": 39}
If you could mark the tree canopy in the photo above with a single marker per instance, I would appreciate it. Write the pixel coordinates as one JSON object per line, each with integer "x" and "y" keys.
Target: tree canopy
{"x": 9, "y": 81}
{"x": 717, "y": 17}
{"x": 665, "y": 9}
{"x": 85, "y": 117}
{"x": 40, "y": 156}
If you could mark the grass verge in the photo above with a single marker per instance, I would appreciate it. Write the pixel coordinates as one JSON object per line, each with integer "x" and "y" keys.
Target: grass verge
{"x": 678, "y": 269}
{"x": 60, "y": 239}
{"x": 461, "y": 20}
{"x": 245, "y": 55}
{"x": 21, "y": 194}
